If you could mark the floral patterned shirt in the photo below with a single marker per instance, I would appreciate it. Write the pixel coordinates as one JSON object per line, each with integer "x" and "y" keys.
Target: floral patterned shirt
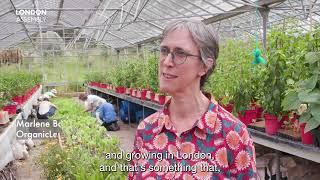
{"x": 217, "y": 147}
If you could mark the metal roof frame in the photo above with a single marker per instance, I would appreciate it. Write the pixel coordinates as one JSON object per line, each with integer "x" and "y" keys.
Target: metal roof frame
{"x": 135, "y": 22}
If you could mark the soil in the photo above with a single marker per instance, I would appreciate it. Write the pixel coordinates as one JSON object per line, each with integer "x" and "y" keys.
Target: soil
{"x": 29, "y": 169}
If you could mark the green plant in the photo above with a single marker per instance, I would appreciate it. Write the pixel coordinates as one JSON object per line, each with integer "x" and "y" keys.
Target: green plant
{"x": 16, "y": 83}
{"x": 84, "y": 147}
{"x": 307, "y": 90}
{"x": 233, "y": 74}
{"x": 152, "y": 74}
{"x": 274, "y": 81}
{"x": 94, "y": 76}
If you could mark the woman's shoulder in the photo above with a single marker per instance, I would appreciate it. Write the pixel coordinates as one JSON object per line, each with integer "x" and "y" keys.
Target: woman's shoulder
{"x": 229, "y": 121}
{"x": 150, "y": 122}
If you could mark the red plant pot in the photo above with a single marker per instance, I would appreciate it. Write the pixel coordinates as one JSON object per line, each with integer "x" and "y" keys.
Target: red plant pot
{"x": 128, "y": 90}
{"x": 152, "y": 96}
{"x": 18, "y": 99}
{"x": 228, "y": 107}
{"x": 271, "y": 124}
{"x": 250, "y": 115}
{"x": 93, "y": 83}
{"x": 118, "y": 90}
{"x": 259, "y": 112}
{"x": 138, "y": 93}
{"x": 103, "y": 86}
{"x": 131, "y": 92}
{"x": 243, "y": 118}
{"x": 143, "y": 94}
{"x": 123, "y": 90}
{"x": 25, "y": 98}
{"x": 11, "y": 109}
{"x": 162, "y": 99}
{"x": 306, "y": 138}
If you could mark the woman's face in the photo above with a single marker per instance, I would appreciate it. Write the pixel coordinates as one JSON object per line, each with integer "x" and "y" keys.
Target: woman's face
{"x": 175, "y": 78}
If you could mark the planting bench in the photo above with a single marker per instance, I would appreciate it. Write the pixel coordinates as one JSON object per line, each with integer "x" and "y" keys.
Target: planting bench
{"x": 8, "y": 134}
{"x": 275, "y": 142}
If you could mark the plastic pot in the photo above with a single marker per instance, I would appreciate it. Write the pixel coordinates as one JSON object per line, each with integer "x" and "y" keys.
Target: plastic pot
{"x": 152, "y": 96}
{"x": 18, "y": 99}
{"x": 162, "y": 99}
{"x": 103, "y": 86}
{"x": 10, "y": 108}
{"x": 306, "y": 138}
{"x": 243, "y": 119}
{"x": 259, "y": 112}
{"x": 131, "y": 92}
{"x": 271, "y": 124}
{"x": 250, "y": 115}
{"x": 228, "y": 107}
{"x": 143, "y": 94}
{"x": 128, "y": 90}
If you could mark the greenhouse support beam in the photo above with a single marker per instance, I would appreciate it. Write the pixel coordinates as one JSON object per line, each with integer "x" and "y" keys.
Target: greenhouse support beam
{"x": 118, "y": 54}
{"x": 125, "y": 18}
{"x": 73, "y": 9}
{"x": 265, "y": 14}
{"x": 139, "y": 51}
{"x": 136, "y": 15}
{"x": 107, "y": 26}
{"x": 59, "y": 12}
{"x": 71, "y": 43}
{"x": 150, "y": 23}
{"x": 238, "y": 10}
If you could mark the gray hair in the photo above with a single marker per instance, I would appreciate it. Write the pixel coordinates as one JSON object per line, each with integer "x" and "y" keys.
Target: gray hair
{"x": 204, "y": 37}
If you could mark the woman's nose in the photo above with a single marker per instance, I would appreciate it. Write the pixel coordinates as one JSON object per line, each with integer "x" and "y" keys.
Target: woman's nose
{"x": 169, "y": 60}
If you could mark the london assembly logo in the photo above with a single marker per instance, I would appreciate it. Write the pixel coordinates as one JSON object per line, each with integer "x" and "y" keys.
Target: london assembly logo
{"x": 31, "y": 15}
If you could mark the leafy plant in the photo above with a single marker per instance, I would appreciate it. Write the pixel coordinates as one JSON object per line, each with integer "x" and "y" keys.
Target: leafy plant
{"x": 274, "y": 81}
{"x": 152, "y": 74}
{"x": 95, "y": 76}
{"x": 16, "y": 83}
{"x": 84, "y": 147}
{"x": 307, "y": 91}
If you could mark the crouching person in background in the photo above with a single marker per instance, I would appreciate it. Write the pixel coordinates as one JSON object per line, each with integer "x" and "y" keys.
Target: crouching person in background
{"x": 46, "y": 109}
{"x": 102, "y": 110}
{"x": 92, "y": 103}
{"x": 108, "y": 116}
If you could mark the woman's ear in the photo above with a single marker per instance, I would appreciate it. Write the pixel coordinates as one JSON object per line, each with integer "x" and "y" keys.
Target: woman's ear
{"x": 206, "y": 67}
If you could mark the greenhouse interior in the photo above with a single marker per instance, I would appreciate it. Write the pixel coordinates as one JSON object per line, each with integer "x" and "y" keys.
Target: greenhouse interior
{"x": 86, "y": 87}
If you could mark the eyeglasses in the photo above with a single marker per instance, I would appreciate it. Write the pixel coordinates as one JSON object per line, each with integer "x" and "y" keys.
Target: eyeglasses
{"x": 178, "y": 56}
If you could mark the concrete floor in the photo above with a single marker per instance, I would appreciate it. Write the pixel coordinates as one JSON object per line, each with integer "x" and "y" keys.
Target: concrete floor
{"x": 126, "y": 135}
{"x": 29, "y": 169}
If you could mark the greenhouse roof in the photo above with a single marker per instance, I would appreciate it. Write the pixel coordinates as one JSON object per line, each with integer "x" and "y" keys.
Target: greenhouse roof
{"x": 126, "y": 23}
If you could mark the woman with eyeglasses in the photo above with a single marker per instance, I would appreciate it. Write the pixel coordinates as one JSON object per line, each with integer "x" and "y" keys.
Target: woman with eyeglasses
{"x": 192, "y": 137}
